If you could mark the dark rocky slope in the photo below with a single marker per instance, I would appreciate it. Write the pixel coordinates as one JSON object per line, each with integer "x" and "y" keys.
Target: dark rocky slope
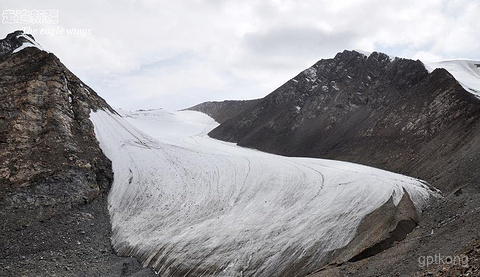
{"x": 387, "y": 114}
{"x": 369, "y": 110}
{"x": 54, "y": 177}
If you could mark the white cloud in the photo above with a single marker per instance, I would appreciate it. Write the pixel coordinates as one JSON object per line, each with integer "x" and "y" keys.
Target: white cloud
{"x": 427, "y": 57}
{"x": 146, "y": 53}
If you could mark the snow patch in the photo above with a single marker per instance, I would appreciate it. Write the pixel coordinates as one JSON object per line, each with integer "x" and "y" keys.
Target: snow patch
{"x": 311, "y": 74}
{"x": 363, "y": 52}
{"x": 334, "y": 85}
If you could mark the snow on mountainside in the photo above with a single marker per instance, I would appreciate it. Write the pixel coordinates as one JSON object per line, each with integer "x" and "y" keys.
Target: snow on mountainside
{"x": 28, "y": 42}
{"x": 18, "y": 41}
{"x": 187, "y": 204}
{"x": 466, "y": 72}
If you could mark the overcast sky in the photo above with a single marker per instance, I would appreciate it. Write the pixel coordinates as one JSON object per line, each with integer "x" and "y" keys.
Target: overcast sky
{"x": 174, "y": 54}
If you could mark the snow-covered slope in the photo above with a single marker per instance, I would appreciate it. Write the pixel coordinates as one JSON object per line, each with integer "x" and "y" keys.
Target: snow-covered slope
{"x": 28, "y": 42}
{"x": 466, "y": 72}
{"x": 190, "y": 205}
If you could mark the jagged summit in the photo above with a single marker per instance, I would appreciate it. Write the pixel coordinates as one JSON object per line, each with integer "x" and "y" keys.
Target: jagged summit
{"x": 17, "y": 41}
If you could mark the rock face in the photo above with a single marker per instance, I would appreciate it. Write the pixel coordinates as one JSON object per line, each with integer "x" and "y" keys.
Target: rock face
{"x": 53, "y": 174}
{"x": 51, "y": 160}
{"x": 12, "y": 42}
{"x": 225, "y": 110}
{"x": 390, "y": 114}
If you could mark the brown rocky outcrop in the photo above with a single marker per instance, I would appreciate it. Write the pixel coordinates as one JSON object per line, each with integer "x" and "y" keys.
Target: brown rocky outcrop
{"x": 54, "y": 177}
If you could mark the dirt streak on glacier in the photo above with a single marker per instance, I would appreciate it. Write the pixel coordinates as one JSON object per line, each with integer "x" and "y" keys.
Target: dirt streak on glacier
{"x": 189, "y": 205}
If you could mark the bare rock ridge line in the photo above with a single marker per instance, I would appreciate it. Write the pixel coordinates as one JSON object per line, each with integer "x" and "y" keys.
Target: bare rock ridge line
{"x": 54, "y": 177}
{"x": 224, "y": 110}
{"x": 390, "y": 114}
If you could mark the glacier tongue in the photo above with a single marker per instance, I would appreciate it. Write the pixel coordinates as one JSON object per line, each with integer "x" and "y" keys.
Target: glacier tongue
{"x": 189, "y": 205}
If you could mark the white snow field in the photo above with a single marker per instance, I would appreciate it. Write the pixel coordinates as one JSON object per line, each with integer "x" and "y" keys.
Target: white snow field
{"x": 466, "y": 72}
{"x": 189, "y": 205}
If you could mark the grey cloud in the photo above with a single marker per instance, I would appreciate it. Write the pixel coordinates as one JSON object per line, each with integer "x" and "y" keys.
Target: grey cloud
{"x": 305, "y": 41}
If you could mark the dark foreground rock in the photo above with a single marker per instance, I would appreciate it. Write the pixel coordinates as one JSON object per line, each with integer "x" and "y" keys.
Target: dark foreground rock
{"x": 73, "y": 243}
{"x": 449, "y": 228}
{"x": 54, "y": 177}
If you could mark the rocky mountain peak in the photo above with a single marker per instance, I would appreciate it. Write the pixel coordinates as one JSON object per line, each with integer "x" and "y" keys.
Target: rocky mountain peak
{"x": 54, "y": 177}
{"x": 15, "y": 40}
{"x": 348, "y": 55}
{"x": 351, "y": 73}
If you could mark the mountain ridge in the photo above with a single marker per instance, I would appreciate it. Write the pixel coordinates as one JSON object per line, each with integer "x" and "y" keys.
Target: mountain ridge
{"x": 345, "y": 117}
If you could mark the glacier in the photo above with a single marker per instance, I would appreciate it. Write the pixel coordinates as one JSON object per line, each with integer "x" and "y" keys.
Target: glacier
{"x": 189, "y": 205}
